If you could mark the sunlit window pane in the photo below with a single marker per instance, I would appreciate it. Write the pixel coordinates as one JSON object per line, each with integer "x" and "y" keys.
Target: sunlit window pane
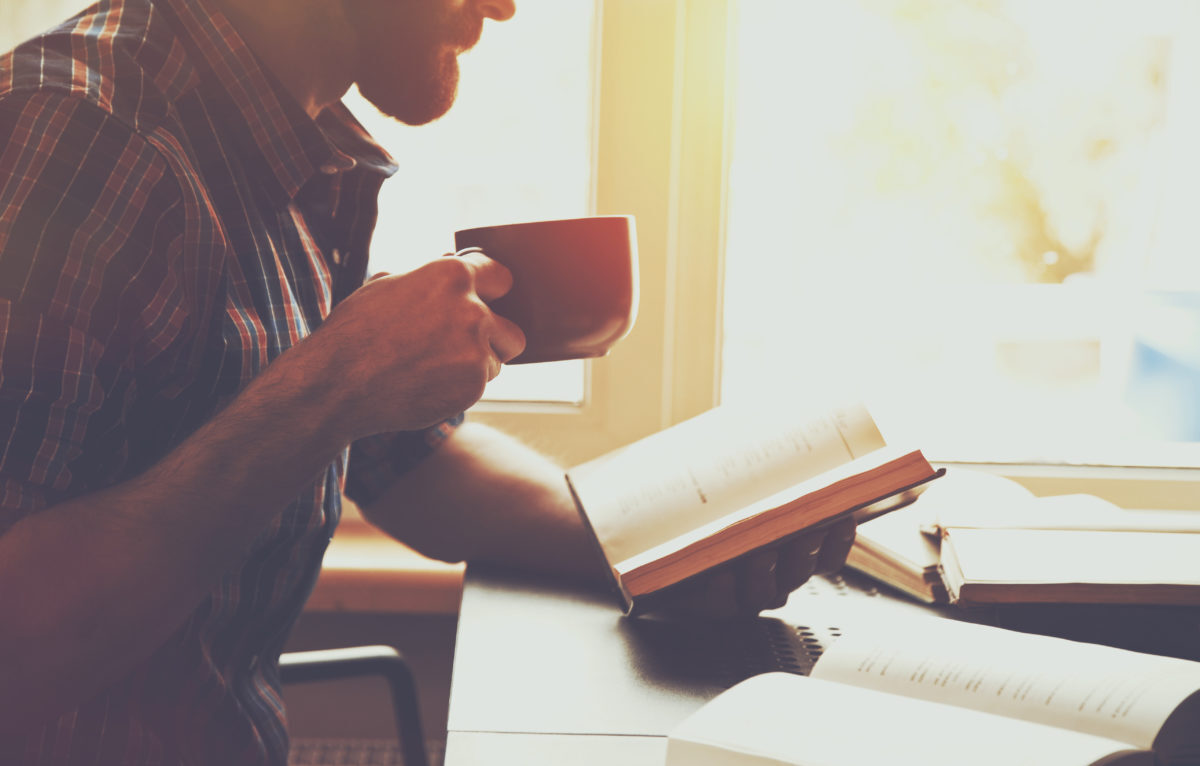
{"x": 516, "y": 146}
{"x": 979, "y": 216}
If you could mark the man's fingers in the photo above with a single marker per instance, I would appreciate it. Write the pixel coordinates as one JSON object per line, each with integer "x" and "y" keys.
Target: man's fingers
{"x": 798, "y": 560}
{"x": 836, "y": 546}
{"x": 758, "y": 585}
{"x": 492, "y": 279}
{"x": 507, "y": 340}
{"x": 763, "y": 579}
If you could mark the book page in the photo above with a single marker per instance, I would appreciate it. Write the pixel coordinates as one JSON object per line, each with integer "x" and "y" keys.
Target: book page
{"x": 1084, "y": 687}
{"x": 965, "y": 494}
{"x": 1102, "y": 557}
{"x": 705, "y": 468}
{"x": 789, "y": 719}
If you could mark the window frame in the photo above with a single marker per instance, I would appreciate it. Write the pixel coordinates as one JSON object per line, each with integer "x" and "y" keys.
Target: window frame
{"x": 656, "y": 59}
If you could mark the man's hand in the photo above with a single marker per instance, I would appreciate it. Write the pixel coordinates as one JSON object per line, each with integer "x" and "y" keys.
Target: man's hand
{"x": 414, "y": 349}
{"x": 763, "y": 579}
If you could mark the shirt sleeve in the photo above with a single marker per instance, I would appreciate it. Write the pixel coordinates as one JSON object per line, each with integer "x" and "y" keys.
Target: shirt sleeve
{"x": 377, "y": 461}
{"x": 83, "y": 202}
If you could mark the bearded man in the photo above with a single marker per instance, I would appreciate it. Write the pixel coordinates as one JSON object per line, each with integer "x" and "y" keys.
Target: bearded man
{"x": 192, "y": 370}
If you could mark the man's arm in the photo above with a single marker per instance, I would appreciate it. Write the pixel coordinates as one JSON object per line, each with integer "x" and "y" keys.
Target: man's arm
{"x": 91, "y": 586}
{"x": 483, "y": 496}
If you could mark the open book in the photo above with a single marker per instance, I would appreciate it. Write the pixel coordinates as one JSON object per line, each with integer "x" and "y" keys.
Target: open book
{"x": 957, "y": 544}
{"x": 730, "y": 481}
{"x": 943, "y": 693}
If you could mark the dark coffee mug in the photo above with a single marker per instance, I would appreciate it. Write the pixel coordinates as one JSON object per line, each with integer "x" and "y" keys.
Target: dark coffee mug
{"x": 575, "y": 282}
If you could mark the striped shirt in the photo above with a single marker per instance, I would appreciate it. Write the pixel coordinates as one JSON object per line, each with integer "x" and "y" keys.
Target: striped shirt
{"x": 170, "y": 222}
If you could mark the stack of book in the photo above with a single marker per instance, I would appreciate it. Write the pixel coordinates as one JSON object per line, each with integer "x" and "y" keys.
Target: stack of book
{"x": 976, "y": 538}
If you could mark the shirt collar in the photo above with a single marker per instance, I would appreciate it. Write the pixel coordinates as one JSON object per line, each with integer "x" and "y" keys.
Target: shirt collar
{"x": 272, "y": 130}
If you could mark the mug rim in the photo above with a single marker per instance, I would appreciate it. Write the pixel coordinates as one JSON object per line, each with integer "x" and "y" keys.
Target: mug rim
{"x": 517, "y": 224}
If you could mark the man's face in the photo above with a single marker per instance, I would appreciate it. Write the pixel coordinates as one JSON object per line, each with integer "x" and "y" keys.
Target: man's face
{"x": 408, "y": 51}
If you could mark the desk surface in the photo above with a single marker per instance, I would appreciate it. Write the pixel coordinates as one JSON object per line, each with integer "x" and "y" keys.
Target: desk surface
{"x": 544, "y": 673}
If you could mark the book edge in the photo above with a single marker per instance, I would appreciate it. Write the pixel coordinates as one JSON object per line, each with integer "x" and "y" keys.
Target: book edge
{"x": 614, "y": 579}
{"x": 680, "y": 554}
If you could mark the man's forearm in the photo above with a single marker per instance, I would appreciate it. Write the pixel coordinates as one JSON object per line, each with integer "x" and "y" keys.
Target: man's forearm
{"x": 485, "y": 497}
{"x": 91, "y": 586}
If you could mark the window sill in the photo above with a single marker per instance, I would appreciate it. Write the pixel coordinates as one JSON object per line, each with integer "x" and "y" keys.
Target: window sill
{"x": 367, "y": 571}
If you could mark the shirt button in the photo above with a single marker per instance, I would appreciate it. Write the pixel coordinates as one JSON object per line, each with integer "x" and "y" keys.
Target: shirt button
{"x": 337, "y": 256}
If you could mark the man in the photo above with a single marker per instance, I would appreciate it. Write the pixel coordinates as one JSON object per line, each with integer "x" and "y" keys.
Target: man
{"x": 187, "y": 350}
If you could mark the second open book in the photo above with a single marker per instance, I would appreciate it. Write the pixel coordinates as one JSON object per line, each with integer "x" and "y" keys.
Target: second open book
{"x": 943, "y": 693}
{"x": 977, "y": 538}
{"x": 730, "y": 481}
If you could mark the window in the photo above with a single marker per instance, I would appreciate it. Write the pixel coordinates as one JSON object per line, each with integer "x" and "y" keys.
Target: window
{"x": 978, "y": 215}
{"x": 676, "y": 142}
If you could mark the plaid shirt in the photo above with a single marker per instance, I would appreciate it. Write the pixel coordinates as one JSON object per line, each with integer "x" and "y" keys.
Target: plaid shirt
{"x": 170, "y": 222}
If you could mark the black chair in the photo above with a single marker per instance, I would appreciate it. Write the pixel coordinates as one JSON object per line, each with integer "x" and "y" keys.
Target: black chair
{"x": 357, "y": 661}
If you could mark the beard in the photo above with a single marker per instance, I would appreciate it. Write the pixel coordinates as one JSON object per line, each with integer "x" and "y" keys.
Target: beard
{"x": 407, "y": 64}
{"x": 424, "y": 90}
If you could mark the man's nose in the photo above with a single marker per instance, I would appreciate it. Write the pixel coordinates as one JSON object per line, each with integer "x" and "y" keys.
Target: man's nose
{"x": 500, "y": 10}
